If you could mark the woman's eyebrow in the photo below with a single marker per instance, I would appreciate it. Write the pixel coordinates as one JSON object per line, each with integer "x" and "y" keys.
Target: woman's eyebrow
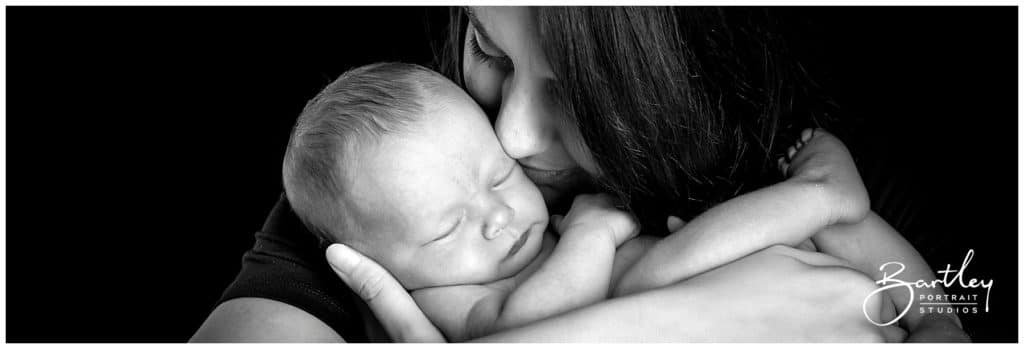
{"x": 478, "y": 25}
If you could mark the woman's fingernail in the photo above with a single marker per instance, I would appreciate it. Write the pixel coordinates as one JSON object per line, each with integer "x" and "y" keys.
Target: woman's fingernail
{"x": 341, "y": 257}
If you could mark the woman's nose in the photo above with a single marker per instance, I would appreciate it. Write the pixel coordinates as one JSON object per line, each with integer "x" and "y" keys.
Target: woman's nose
{"x": 524, "y": 125}
{"x": 497, "y": 220}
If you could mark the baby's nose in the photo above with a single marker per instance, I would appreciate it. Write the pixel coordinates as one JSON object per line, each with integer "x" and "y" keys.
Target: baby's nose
{"x": 497, "y": 221}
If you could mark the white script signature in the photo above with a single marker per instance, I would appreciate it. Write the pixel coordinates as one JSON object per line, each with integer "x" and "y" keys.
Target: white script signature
{"x": 890, "y": 281}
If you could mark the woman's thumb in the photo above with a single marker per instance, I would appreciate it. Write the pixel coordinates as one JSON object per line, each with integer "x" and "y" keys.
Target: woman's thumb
{"x": 342, "y": 258}
{"x": 392, "y": 305}
{"x": 363, "y": 278}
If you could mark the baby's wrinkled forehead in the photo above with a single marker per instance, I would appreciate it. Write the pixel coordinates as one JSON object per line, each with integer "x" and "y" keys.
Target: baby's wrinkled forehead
{"x": 394, "y": 180}
{"x": 398, "y": 179}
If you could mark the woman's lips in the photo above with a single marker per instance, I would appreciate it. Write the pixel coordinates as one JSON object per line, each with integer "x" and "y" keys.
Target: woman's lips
{"x": 559, "y": 186}
{"x": 550, "y": 177}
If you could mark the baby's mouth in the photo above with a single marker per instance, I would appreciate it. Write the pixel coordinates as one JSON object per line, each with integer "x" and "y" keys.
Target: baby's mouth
{"x": 519, "y": 243}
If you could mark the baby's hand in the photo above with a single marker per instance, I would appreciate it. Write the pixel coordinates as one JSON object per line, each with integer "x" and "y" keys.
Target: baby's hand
{"x": 595, "y": 214}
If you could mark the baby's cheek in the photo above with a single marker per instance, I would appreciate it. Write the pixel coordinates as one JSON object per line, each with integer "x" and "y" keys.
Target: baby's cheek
{"x": 530, "y": 202}
{"x": 577, "y": 148}
{"x": 465, "y": 264}
{"x": 430, "y": 268}
{"x": 414, "y": 275}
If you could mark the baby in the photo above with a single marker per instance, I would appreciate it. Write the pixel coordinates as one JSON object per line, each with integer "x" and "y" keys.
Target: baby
{"x": 399, "y": 163}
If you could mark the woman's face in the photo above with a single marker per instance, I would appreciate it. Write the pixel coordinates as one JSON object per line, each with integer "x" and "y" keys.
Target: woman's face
{"x": 505, "y": 69}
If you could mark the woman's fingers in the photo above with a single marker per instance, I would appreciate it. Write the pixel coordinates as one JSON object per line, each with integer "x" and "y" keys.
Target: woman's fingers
{"x": 893, "y": 334}
{"x": 886, "y": 308}
{"x": 388, "y": 300}
{"x": 938, "y": 328}
{"x": 839, "y": 292}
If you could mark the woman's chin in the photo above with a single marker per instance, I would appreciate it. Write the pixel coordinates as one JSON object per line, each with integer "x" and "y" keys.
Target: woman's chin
{"x": 559, "y": 200}
{"x": 552, "y": 196}
{"x": 558, "y": 195}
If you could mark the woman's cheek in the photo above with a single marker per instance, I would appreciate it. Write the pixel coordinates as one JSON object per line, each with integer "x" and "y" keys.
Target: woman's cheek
{"x": 483, "y": 83}
{"x": 577, "y": 148}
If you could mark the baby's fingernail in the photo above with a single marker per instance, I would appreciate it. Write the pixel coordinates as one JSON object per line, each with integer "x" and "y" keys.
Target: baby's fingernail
{"x": 341, "y": 257}
{"x": 675, "y": 223}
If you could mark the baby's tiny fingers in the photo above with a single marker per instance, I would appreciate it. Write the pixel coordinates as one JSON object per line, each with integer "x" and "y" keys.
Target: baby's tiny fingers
{"x": 556, "y": 222}
{"x": 675, "y": 223}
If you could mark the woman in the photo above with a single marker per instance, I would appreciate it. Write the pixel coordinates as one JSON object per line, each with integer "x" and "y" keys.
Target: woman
{"x": 671, "y": 111}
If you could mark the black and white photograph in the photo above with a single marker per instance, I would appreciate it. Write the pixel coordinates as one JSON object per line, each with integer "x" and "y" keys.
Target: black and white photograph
{"x": 539, "y": 174}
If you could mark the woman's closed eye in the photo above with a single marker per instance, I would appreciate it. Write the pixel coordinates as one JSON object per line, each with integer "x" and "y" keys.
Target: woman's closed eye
{"x": 500, "y": 61}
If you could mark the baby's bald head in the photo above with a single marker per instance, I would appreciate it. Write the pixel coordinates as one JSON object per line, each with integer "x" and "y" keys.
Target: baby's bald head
{"x": 359, "y": 108}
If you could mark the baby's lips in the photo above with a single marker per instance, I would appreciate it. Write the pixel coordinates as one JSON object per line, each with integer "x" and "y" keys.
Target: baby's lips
{"x": 519, "y": 244}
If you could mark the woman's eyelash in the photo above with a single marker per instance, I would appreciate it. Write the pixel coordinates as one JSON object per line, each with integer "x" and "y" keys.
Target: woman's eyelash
{"x": 491, "y": 61}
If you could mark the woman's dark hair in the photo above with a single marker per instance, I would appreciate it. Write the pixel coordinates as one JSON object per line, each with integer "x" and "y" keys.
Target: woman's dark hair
{"x": 682, "y": 107}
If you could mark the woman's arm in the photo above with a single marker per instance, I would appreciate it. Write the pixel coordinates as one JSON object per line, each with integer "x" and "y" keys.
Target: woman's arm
{"x": 777, "y": 294}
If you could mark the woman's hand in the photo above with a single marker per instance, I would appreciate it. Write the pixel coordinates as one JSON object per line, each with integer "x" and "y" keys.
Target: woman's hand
{"x": 938, "y": 328}
{"x": 390, "y": 303}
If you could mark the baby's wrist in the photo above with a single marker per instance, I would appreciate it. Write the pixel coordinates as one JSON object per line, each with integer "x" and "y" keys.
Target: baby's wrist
{"x": 589, "y": 235}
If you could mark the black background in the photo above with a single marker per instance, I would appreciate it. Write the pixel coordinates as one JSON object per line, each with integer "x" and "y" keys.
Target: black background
{"x": 144, "y": 144}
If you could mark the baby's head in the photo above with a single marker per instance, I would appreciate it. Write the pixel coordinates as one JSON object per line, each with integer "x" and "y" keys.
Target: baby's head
{"x": 399, "y": 163}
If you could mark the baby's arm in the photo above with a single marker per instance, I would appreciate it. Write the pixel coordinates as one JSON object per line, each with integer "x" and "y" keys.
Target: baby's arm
{"x": 823, "y": 188}
{"x": 578, "y": 272}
